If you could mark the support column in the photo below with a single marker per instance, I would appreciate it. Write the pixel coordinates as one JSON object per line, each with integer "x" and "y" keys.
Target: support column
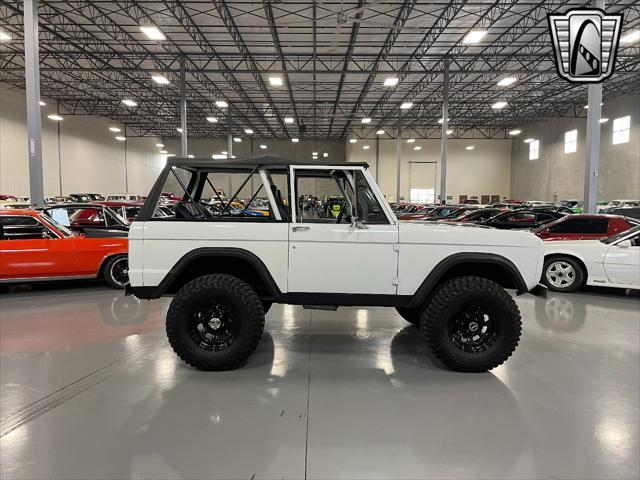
{"x": 377, "y": 157}
{"x": 398, "y": 154}
{"x": 229, "y": 147}
{"x": 183, "y": 110}
{"x": 592, "y": 162}
{"x": 32, "y": 77}
{"x": 445, "y": 127}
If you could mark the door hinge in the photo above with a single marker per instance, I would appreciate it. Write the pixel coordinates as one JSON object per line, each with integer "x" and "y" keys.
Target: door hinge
{"x": 396, "y": 247}
{"x": 395, "y": 282}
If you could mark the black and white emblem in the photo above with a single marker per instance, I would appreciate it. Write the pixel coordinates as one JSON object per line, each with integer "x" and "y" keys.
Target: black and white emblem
{"x": 585, "y": 42}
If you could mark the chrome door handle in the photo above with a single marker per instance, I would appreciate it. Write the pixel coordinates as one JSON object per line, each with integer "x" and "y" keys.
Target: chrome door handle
{"x": 296, "y": 228}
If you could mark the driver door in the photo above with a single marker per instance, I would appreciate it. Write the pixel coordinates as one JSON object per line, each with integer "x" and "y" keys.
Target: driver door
{"x": 329, "y": 252}
{"x": 622, "y": 262}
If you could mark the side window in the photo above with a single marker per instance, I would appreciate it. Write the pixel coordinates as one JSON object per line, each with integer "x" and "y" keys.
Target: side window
{"x": 521, "y": 217}
{"x": 335, "y": 196}
{"x": 20, "y": 228}
{"x": 595, "y": 226}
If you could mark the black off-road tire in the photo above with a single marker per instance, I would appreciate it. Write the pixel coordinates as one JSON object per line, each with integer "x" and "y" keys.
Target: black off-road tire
{"x": 247, "y": 310}
{"x": 576, "y": 271}
{"x": 444, "y": 311}
{"x": 411, "y": 315}
{"x": 110, "y": 273}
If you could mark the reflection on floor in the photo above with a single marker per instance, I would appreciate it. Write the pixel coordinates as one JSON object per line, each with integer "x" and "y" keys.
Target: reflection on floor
{"x": 90, "y": 389}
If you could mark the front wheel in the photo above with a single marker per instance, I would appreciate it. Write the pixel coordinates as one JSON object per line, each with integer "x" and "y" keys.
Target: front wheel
{"x": 471, "y": 324}
{"x": 215, "y": 322}
{"x": 116, "y": 272}
{"x": 562, "y": 274}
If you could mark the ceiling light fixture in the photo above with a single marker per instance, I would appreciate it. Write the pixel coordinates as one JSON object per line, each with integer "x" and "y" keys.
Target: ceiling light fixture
{"x": 114, "y": 129}
{"x": 353, "y": 140}
{"x": 263, "y": 147}
{"x": 474, "y": 36}
{"x": 469, "y": 147}
{"x": 390, "y": 81}
{"x": 4, "y": 36}
{"x": 42, "y": 104}
{"x": 449, "y": 132}
{"x": 365, "y": 147}
{"x": 528, "y": 140}
{"x": 153, "y": 33}
{"x": 515, "y": 132}
{"x": 506, "y": 81}
{"x": 630, "y": 37}
{"x": 417, "y": 148}
{"x": 224, "y": 152}
{"x": 276, "y": 81}
{"x": 295, "y": 140}
{"x": 441, "y": 120}
{"x": 160, "y": 145}
{"x": 164, "y": 151}
{"x": 237, "y": 139}
{"x": 288, "y": 119}
{"x": 248, "y": 131}
{"x": 57, "y": 118}
{"x": 179, "y": 130}
{"x": 406, "y": 105}
{"x": 366, "y": 120}
{"x": 190, "y": 156}
{"x": 212, "y": 120}
{"x": 411, "y": 140}
{"x": 221, "y": 104}
{"x": 130, "y": 103}
{"x": 380, "y": 132}
{"x": 499, "y": 105}
{"x": 604, "y": 120}
{"x": 325, "y": 154}
{"x": 160, "y": 79}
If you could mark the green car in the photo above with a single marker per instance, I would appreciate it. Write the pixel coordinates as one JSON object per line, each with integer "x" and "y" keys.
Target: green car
{"x": 579, "y": 207}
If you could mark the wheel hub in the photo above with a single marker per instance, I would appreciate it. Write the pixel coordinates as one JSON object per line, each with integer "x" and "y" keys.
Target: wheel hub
{"x": 215, "y": 323}
{"x": 473, "y": 326}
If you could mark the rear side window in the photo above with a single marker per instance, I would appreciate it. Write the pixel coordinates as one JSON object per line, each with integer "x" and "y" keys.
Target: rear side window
{"x": 19, "y": 228}
{"x": 582, "y": 225}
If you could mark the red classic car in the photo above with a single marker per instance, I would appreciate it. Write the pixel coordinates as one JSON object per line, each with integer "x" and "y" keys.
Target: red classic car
{"x": 585, "y": 227}
{"x": 36, "y": 248}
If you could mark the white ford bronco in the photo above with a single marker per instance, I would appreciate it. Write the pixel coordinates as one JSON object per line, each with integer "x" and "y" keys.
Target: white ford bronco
{"x": 321, "y": 236}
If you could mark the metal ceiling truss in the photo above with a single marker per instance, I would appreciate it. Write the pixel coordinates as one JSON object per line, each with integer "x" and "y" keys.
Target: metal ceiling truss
{"x": 333, "y": 57}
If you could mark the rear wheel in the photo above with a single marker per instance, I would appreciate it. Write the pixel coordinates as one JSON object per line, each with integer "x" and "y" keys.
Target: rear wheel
{"x": 471, "y": 324}
{"x": 411, "y": 315}
{"x": 562, "y": 274}
{"x": 116, "y": 271}
{"x": 215, "y": 322}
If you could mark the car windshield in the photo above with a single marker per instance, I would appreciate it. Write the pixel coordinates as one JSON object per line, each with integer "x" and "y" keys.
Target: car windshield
{"x": 64, "y": 230}
{"x": 618, "y": 236}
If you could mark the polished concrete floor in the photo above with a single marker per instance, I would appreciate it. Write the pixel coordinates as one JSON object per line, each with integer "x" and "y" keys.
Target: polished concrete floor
{"x": 91, "y": 390}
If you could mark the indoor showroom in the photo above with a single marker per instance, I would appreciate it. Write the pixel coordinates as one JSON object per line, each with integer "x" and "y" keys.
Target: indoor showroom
{"x": 319, "y": 240}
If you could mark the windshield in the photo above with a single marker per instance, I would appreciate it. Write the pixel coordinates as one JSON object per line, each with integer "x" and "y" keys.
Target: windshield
{"x": 64, "y": 230}
{"x": 618, "y": 236}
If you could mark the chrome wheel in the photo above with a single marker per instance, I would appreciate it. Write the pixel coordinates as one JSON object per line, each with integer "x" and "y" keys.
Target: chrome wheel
{"x": 120, "y": 271}
{"x": 560, "y": 274}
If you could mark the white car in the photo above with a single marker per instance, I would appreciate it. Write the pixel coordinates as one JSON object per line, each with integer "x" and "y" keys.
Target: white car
{"x": 619, "y": 204}
{"x": 611, "y": 262}
{"x": 226, "y": 267}
{"x": 124, "y": 197}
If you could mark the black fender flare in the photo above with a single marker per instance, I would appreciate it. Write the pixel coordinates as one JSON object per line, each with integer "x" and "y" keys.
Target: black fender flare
{"x": 440, "y": 270}
{"x": 189, "y": 257}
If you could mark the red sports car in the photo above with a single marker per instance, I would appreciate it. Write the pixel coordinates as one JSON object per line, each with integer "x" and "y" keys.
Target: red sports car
{"x": 585, "y": 227}
{"x": 35, "y": 248}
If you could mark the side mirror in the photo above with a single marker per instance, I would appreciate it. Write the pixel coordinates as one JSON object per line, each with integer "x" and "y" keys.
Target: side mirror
{"x": 357, "y": 224}
{"x": 625, "y": 244}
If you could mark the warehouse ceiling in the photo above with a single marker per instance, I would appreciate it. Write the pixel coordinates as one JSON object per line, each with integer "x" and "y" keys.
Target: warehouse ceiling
{"x": 332, "y": 57}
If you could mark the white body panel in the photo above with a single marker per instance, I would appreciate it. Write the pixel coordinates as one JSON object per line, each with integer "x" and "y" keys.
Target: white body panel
{"x": 331, "y": 258}
{"x": 607, "y": 265}
{"x": 166, "y": 242}
{"x": 423, "y": 245}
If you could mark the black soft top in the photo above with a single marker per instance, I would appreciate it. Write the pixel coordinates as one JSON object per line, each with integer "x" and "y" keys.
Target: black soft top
{"x": 244, "y": 164}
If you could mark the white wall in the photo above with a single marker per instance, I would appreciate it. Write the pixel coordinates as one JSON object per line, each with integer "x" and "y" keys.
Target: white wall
{"x": 557, "y": 175}
{"x": 482, "y": 171}
{"x": 79, "y": 153}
